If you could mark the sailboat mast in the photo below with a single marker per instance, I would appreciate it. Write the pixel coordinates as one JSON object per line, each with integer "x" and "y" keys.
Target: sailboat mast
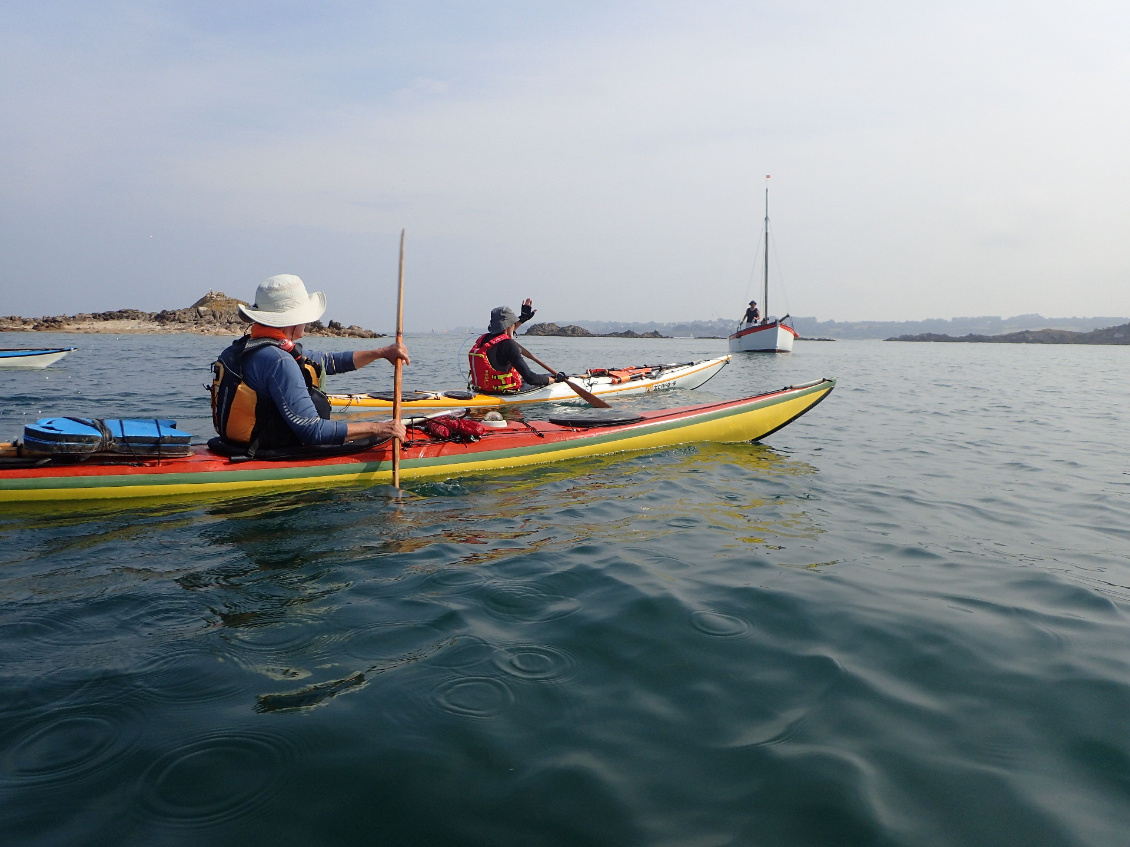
{"x": 765, "y": 291}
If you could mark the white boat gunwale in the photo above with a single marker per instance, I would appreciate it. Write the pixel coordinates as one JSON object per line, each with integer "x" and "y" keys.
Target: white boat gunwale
{"x": 32, "y": 357}
{"x": 773, "y": 324}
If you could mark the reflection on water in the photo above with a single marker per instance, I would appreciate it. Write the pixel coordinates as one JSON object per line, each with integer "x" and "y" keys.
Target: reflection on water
{"x": 305, "y": 698}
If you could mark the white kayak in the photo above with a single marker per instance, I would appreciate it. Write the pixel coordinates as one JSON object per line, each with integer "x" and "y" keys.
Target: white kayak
{"x": 603, "y": 382}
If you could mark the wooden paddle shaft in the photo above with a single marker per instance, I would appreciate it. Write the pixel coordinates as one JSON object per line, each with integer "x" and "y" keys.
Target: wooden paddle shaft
{"x": 398, "y": 367}
{"x": 587, "y": 396}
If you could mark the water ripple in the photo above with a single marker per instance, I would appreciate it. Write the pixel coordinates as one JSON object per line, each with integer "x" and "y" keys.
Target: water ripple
{"x": 186, "y": 672}
{"x": 215, "y": 779}
{"x": 719, "y": 625}
{"x": 463, "y": 651}
{"x": 527, "y": 603}
{"x": 536, "y": 662}
{"x": 455, "y": 580}
{"x": 66, "y": 745}
{"x": 297, "y": 635}
{"x": 475, "y": 697}
{"x": 385, "y": 641}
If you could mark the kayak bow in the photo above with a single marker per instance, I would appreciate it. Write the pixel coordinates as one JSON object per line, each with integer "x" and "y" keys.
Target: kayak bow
{"x": 32, "y": 357}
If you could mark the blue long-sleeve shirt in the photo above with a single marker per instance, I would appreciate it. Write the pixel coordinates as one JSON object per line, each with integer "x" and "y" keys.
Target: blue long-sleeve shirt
{"x": 273, "y": 372}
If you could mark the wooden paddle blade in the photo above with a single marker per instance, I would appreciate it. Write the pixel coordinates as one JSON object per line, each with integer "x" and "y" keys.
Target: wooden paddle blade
{"x": 588, "y": 396}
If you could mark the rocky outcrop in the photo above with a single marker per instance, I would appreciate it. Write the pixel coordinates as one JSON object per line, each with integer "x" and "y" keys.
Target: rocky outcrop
{"x": 570, "y": 331}
{"x": 574, "y": 331}
{"x": 213, "y": 314}
{"x": 336, "y": 328}
{"x": 631, "y": 333}
{"x": 1109, "y": 335}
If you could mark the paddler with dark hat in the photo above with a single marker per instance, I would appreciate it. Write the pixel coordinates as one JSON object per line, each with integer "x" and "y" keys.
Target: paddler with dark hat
{"x": 497, "y": 364}
{"x": 266, "y": 394}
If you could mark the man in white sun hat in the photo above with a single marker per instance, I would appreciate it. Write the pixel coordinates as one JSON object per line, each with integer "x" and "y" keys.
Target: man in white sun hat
{"x": 266, "y": 394}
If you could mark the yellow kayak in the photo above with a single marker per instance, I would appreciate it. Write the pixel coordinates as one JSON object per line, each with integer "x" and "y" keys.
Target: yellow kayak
{"x": 568, "y": 435}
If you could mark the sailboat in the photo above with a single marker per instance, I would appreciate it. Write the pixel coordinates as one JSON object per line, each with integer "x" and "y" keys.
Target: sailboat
{"x": 769, "y": 335}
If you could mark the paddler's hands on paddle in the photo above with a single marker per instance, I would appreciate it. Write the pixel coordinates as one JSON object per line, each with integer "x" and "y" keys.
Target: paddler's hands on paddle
{"x": 379, "y": 429}
{"x": 560, "y": 376}
{"x": 392, "y": 353}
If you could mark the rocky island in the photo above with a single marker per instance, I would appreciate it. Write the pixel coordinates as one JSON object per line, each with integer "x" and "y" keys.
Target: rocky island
{"x": 1109, "y": 335}
{"x": 213, "y": 314}
{"x": 574, "y": 331}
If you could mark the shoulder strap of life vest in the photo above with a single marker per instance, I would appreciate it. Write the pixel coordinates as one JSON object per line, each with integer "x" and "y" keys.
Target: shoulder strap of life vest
{"x": 237, "y": 413}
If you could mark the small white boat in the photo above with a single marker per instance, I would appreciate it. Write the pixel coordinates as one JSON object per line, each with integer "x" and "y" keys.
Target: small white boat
{"x": 774, "y": 336}
{"x": 770, "y": 335}
{"x": 603, "y": 382}
{"x": 32, "y": 357}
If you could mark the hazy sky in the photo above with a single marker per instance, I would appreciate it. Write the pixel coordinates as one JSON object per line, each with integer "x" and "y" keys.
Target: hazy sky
{"x": 606, "y": 159}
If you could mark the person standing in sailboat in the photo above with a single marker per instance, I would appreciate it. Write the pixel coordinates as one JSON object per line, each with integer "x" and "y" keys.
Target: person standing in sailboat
{"x": 752, "y": 314}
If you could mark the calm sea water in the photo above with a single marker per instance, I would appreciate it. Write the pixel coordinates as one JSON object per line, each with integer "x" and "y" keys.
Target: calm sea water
{"x": 903, "y": 620}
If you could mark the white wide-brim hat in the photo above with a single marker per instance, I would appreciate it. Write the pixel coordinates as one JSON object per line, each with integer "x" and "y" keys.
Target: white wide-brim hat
{"x": 281, "y": 300}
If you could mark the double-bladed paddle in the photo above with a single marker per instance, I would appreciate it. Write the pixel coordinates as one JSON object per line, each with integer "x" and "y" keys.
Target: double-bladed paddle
{"x": 587, "y": 396}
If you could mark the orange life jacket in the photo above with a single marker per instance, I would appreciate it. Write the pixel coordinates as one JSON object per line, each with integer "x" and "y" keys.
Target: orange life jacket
{"x": 483, "y": 375}
{"x": 240, "y": 415}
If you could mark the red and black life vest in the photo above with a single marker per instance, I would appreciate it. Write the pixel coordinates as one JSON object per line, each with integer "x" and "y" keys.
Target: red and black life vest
{"x": 484, "y": 377}
{"x": 244, "y": 417}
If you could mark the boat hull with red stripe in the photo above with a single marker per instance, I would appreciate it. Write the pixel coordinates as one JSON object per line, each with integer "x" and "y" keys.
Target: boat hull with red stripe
{"x": 771, "y": 337}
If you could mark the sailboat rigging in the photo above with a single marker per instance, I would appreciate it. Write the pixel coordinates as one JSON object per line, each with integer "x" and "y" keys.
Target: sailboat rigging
{"x": 768, "y": 335}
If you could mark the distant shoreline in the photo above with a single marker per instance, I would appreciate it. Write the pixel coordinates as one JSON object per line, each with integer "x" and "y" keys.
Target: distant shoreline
{"x": 1108, "y": 336}
{"x": 122, "y": 327}
{"x": 811, "y": 328}
{"x": 213, "y": 314}
{"x": 134, "y": 327}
